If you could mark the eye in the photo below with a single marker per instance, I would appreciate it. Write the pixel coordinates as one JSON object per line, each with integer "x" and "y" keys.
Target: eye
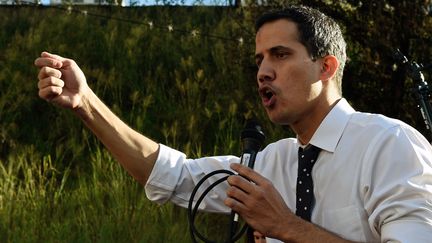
{"x": 281, "y": 55}
{"x": 258, "y": 61}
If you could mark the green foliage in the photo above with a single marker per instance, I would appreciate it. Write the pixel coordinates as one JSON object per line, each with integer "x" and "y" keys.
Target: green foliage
{"x": 190, "y": 90}
{"x": 374, "y": 30}
{"x": 38, "y": 203}
{"x": 150, "y": 77}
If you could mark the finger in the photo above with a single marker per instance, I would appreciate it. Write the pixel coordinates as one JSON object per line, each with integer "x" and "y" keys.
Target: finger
{"x": 65, "y": 62}
{"x": 237, "y": 194}
{"x": 50, "y": 92}
{"x": 48, "y": 71}
{"x": 258, "y": 235}
{"x": 50, "y": 81}
{"x": 248, "y": 173}
{"x": 46, "y": 61}
{"x": 53, "y": 56}
{"x": 241, "y": 183}
{"x": 234, "y": 205}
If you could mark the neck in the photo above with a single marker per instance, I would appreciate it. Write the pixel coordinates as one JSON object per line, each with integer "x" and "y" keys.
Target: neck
{"x": 306, "y": 128}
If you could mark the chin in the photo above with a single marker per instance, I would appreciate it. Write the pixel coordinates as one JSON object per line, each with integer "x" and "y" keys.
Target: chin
{"x": 277, "y": 118}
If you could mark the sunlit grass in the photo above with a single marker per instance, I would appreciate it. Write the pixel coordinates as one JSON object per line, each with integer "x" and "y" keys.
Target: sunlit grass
{"x": 40, "y": 204}
{"x": 57, "y": 182}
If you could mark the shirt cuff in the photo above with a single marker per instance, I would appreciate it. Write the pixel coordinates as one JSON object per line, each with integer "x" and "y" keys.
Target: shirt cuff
{"x": 165, "y": 174}
{"x": 406, "y": 231}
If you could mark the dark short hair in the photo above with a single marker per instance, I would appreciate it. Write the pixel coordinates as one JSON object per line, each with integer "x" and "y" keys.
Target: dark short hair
{"x": 320, "y": 34}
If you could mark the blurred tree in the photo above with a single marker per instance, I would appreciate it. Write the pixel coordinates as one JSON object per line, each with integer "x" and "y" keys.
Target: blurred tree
{"x": 184, "y": 60}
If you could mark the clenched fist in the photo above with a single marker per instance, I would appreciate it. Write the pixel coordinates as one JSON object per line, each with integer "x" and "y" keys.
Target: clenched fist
{"x": 61, "y": 81}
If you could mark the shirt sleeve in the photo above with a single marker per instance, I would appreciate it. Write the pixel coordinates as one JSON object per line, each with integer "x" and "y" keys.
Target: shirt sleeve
{"x": 398, "y": 195}
{"x": 174, "y": 177}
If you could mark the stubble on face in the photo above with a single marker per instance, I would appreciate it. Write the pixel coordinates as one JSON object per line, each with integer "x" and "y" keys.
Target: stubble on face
{"x": 287, "y": 76}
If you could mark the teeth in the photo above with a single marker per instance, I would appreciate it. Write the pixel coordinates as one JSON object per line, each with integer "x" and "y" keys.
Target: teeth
{"x": 268, "y": 94}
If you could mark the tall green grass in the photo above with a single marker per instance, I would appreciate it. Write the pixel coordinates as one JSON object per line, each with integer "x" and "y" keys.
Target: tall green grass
{"x": 38, "y": 203}
{"x": 41, "y": 204}
{"x": 57, "y": 182}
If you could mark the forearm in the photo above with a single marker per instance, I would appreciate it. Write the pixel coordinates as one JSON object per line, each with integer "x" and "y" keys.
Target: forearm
{"x": 304, "y": 232}
{"x": 135, "y": 152}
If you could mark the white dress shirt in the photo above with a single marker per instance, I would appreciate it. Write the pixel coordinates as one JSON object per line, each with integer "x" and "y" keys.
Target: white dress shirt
{"x": 372, "y": 179}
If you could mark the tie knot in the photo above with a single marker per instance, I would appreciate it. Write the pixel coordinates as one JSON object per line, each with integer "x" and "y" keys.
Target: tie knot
{"x": 308, "y": 155}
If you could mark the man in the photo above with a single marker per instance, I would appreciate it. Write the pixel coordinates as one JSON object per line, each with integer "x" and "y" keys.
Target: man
{"x": 372, "y": 180}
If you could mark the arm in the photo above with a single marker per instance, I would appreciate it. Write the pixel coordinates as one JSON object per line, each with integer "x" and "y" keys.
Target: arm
{"x": 63, "y": 83}
{"x": 260, "y": 204}
{"x": 398, "y": 178}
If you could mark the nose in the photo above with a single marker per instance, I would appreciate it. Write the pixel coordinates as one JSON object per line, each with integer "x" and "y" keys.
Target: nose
{"x": 266, "y": 72}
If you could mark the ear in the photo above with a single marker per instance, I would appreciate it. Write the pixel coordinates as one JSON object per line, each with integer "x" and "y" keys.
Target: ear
{"x": 329, "y": 67}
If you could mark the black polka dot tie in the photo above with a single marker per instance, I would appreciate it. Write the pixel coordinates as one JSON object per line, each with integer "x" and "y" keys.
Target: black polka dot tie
{"x": 305, "y": 196}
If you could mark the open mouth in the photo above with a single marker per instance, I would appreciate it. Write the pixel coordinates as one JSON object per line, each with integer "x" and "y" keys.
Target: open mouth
{"x": 266, "y": 93}
{"x": 266, "y": 96}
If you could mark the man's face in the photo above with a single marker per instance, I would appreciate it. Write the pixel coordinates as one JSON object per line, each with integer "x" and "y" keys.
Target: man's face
{"x": 288, "y": 80}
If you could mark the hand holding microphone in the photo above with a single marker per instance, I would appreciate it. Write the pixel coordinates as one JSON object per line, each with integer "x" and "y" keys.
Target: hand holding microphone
{"x": 254, "y": 197}
{"x": 252, "y": 138}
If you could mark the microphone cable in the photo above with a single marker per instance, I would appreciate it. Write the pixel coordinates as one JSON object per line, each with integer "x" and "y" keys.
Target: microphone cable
{"x": 252, "y": 139}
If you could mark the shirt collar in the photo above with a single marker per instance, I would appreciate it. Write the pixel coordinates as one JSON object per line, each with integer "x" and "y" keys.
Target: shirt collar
{"x": 331, "y": 128}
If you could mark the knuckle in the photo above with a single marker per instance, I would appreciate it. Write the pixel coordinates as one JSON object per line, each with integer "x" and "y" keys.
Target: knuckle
{"x": 57, "y": 73}
{"x": 243, "y": 169}
{"x": 50, "y": 80}
{"x": 41, "y": 94}
{"x": 57, "y": 90}
{"x": 41, "y": 73}
{"x": 266, "y": 184}
{"x": 51, "y": 89}
{"x": 233, "y": 180}
{"x": 45, "y": 95}
{"x": 229, "y": 202}
{"x": 230, "y": 191}
{"x": 52, "y": 62}
{"x": 261, "y": 195}
{"x": 71, "y": 62}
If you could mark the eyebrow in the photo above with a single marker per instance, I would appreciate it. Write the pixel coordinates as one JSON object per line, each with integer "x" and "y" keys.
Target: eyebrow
{"x": 281, "y": 48}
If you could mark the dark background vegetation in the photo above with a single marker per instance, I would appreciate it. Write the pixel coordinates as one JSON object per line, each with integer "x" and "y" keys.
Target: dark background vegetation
{"x": 128, "y": 63}
{"x": 190, "y": 90}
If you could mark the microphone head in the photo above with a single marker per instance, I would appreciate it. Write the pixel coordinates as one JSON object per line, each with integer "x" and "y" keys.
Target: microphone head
{"x": 253, "y": 133}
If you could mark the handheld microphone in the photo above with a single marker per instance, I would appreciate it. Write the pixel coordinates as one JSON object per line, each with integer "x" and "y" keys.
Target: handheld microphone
{"x": 252, "y": 138}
